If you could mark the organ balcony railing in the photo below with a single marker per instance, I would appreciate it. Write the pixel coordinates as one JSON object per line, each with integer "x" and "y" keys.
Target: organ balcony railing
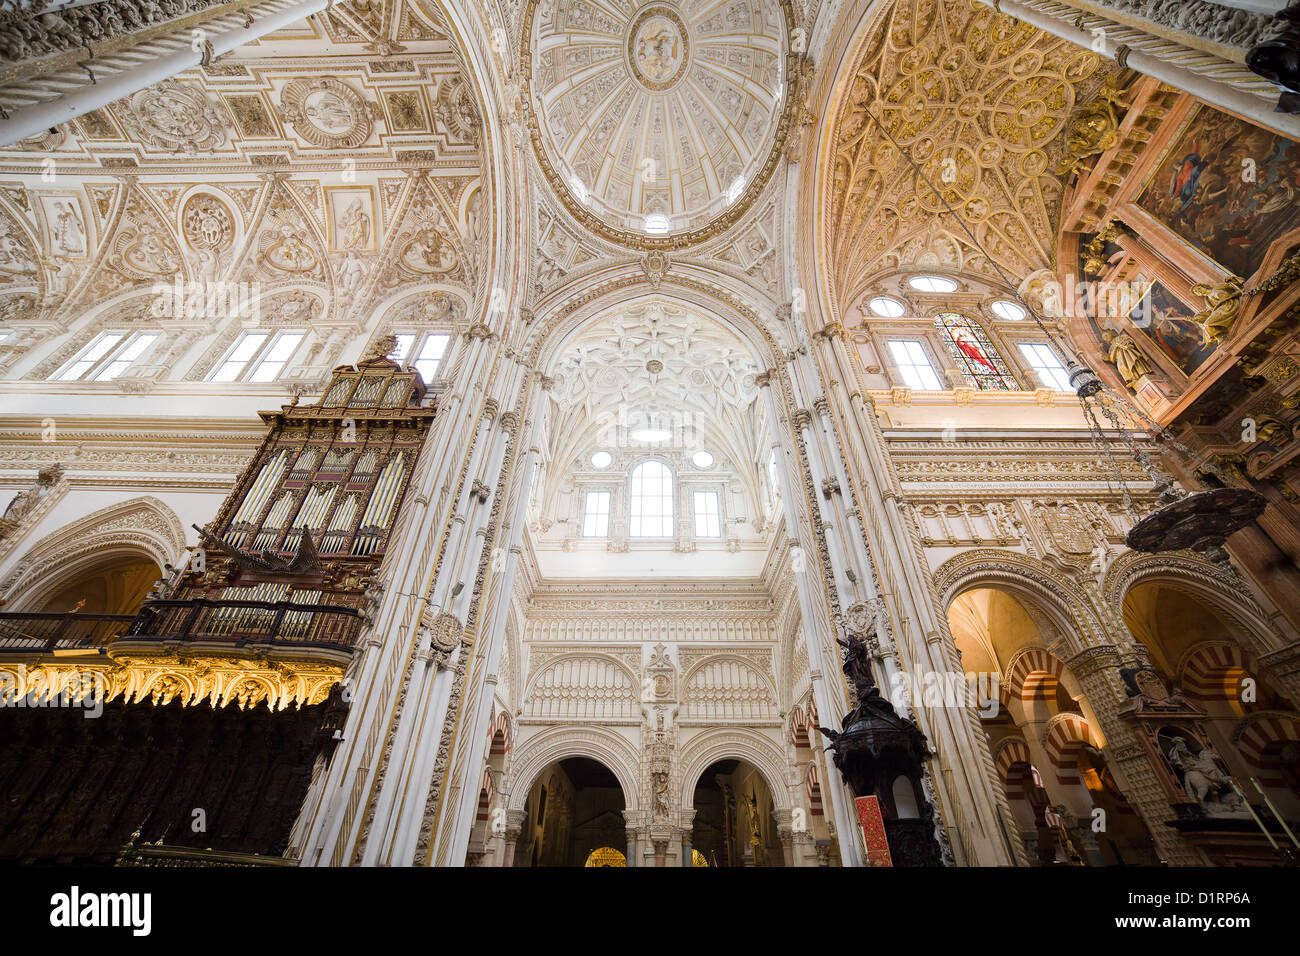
{"x": 234, "y": 624}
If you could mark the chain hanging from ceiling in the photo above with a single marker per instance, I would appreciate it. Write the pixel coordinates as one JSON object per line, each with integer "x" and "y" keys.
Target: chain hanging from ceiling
{"x": 1199, "y": 521}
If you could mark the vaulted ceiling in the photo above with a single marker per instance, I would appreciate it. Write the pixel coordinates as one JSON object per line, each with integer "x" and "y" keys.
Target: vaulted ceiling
{"x": 335, "y": 164}
{"x": 664, "y": 112}
{"x": 656, "y": 364}
{"x": 979, "y": 101}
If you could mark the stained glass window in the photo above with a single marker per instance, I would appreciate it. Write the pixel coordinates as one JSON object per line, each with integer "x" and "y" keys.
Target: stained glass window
{"x": 979, "y": 361}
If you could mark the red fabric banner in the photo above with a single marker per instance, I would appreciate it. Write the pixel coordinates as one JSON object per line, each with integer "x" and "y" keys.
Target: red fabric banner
{"x": 873, "y": 831}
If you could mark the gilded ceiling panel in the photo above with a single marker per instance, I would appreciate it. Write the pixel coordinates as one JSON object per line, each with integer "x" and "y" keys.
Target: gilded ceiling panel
{"x": 980, "y": 102}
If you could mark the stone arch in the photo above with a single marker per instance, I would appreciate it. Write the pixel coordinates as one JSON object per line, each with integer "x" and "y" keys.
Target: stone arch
{"x": 734, "y": 743}
{"x": 1009, "y": 752}
{"x": 140, "y": 527}
{"x": 743, "y": 669}
{"x": 589, "y": 299}
{"x": 593, "y": 742}
{"x": 1259, "y": 736}
{"x": 1033, "y": 674}
{"x": 1198, "y": 578}
{"x": 1212, "y": 670}
{"x": 1040, "y": 588}
{"x": 1066, "y": 735}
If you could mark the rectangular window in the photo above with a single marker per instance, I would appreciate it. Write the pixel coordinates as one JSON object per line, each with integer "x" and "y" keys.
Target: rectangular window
{"x": 107, "y": 356}
{"x": 125, "y": 357}
{"x": 422, "y": 350}
{"x": 273, "y": 359}
{"x": 258, "y": 356}
{"x": 1042, "y": 359}
{"x": 651, "y": 508}
{"x": 708, "y": 522}
{"x": 912, "y": 364}
{"x": 595, "y": 516}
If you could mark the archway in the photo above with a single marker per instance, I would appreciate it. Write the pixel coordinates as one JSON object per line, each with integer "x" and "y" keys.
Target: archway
{"x": 1207, "y": 656}
{"x": 1044, "y": 734}
{"x": 733, "y": 824}
{"x": 116, "y": 585}
{"x": 574, "y": 807}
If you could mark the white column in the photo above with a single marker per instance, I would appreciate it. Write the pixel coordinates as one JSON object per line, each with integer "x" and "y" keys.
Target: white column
{"x": 1230, "y": 96}
{"x": 110, "y": 85}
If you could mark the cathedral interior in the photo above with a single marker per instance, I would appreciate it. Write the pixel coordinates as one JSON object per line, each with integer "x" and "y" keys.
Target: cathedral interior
{"x": 684, "y": 433}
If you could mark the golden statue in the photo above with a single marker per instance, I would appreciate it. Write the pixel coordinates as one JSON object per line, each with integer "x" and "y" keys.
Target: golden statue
{"x": 384, "y": 346}
{"x": 1094, "y": 262}
{"x": 1127, "y": 358}
{"x": 1093, "y": 129}
{"x": 1222, "y": 306}
{"x": 755, "y": 837}
{"x": 1271, "y": 431}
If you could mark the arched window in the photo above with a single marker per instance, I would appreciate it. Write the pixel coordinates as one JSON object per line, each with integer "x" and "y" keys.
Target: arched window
{"x": 979, "y": 361}
{"x": 652, "y": 500}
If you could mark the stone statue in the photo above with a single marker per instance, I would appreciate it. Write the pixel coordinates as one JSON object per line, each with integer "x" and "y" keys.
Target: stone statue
{"x": 1127, "y": 358}
{"x": 1205, "y": 782}
{"x": 660, "y": 780}
{"x": 1222, "y": 306}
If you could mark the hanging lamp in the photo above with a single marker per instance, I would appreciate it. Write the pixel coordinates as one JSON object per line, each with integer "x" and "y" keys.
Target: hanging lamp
{"x": 1200, "y": 521}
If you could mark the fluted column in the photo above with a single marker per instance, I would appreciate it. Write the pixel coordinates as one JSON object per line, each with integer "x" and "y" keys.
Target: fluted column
{"x": 959, "y": 779}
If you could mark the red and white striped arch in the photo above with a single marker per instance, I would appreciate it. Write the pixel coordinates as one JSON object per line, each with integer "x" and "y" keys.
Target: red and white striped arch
{"x": 1010, "y": 752}
{"x": 1260, "y": 739}
{"x": 1213, "y": 671}
{"x": 800, "y": 722}
{"x": 1033, "y": 674}
{"x": 484, "y": 797}
{"x": 813, "y": 786}
{"x": 499, "y": 736}
{"x": 1066, "y": 736}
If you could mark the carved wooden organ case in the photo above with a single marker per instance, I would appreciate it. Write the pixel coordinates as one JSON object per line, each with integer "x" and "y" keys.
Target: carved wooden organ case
{"x": 294, "y": 549}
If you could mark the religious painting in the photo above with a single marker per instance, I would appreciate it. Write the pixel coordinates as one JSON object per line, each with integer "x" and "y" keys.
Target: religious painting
{"x": 351, "y": 218}
{"x": 65, "y": 225}
{"x": 1167, "y": 322}
{"x": 979, "y": 361}
{"x": 1228, "y": 188}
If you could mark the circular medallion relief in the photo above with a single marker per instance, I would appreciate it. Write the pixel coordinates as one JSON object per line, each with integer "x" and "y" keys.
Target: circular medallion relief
{"x": 207, "y": 223}
{"x": 657, "y": 47}
{"x": 326, "y": 112}
{"x": 657, "y": 124}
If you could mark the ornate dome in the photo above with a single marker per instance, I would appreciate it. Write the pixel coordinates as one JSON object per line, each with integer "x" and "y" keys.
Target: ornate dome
{"x": 657, "y": 122}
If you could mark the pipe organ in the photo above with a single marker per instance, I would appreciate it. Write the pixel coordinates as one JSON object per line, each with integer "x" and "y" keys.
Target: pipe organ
{"x": 264, "y": 616}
